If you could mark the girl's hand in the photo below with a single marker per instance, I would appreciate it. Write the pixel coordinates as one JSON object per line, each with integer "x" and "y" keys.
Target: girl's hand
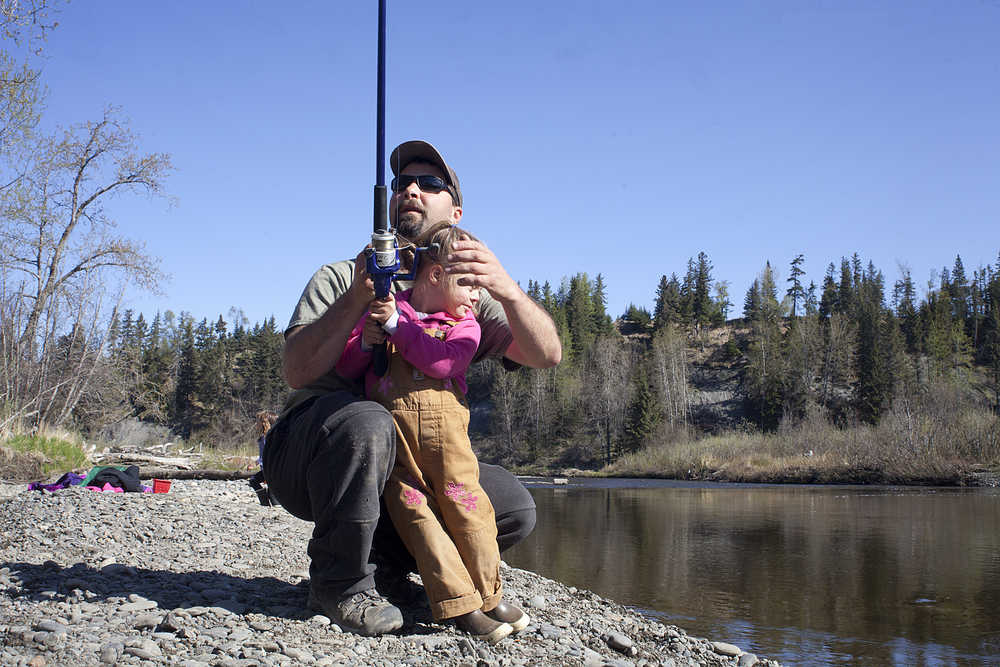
{"x": 372, "y": 334}
{"x": 381, "y": 310}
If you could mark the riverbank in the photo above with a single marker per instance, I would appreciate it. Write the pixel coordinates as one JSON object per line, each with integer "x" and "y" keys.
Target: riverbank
{"x": 946, "y": 448}
{"x": 791, "y": 472}
{"x": 204, "y": 575}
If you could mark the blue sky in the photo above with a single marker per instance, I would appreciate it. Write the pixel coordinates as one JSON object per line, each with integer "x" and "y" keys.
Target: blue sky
{"x": 612, "y": 138}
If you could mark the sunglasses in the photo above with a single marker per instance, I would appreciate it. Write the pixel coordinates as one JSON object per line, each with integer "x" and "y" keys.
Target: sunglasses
{"x": 426, "y": 183}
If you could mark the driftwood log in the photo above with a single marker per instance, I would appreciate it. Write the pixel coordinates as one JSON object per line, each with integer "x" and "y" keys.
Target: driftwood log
{"x": 173, "y": 473}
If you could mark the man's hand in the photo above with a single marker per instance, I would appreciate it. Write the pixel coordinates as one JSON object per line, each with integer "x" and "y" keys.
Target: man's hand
{"x": 380, "y": 310}
{"x": 476, "y": 265}
{"x": 362, "y": 287}
{"x": 313, "y": 349}
{"x": 536, "y": 341}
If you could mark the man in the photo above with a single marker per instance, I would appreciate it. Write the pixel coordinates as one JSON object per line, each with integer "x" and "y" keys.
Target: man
{"x": 328, "y": 457}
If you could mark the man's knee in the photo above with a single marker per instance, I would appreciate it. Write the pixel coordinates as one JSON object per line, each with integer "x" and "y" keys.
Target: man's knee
{"x": 514, "y": 527}
{"x": 361, "y": 443}
{"x": 364, "y": 427}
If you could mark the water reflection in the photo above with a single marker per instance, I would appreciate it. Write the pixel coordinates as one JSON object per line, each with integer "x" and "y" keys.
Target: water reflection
{"x": 806, "y": 575}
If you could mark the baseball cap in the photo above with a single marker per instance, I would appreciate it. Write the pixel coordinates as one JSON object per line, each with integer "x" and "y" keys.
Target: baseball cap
{"x": 421, "y": 151}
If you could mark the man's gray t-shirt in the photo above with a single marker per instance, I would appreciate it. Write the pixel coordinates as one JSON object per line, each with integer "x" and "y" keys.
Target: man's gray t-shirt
{"x": 331, "y": 281}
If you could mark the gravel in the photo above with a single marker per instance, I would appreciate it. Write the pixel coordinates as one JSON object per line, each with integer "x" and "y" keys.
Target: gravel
{"x": 204, "y": 575}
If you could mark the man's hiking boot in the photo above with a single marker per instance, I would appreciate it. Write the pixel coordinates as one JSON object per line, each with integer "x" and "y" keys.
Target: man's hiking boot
{"x": 366, "y": 613}
{"x": 508, "y": 613}
{"x": 481, "y": 626}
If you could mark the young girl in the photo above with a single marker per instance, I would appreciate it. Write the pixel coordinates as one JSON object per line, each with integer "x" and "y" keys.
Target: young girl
{"x": 433, "y": 494}
{"x": 265, "y": 420}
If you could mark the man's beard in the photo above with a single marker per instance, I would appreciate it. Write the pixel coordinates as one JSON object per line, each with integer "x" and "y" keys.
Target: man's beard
{"x": 410, "y": 224}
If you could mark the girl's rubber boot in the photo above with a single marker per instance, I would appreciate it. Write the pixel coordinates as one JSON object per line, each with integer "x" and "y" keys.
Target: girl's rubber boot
{"x": 481, "y": 626}
{"x": 508, "y": 613}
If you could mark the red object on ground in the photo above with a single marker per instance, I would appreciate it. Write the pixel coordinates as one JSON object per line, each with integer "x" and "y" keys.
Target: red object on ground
{"x": 161, "y": 485}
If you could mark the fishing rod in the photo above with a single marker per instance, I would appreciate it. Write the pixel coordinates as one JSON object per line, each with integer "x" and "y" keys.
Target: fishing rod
{"x": 382, "y": 258}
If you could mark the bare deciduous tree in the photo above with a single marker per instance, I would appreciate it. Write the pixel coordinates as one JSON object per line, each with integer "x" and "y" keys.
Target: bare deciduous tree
{"x": 505, "y": 402}
{"x": 670, "y": 374}
{"x": 62, "y": 258}
{"x": 57, "y": 229}
{"x": 611, "y": 371}
{"x": 27, "y": 21}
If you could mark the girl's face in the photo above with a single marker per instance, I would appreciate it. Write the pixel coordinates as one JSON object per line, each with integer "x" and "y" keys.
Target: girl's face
{"x": 441, "y": 292}
{"x": 458, "y": 299}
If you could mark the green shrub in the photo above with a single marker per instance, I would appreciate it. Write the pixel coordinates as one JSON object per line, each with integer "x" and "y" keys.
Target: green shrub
{"x": 57, "y": 454}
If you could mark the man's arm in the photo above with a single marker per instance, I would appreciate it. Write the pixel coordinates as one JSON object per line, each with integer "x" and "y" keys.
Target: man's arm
{"x": 313, "y": 349}
{"x": 536, "y": 341}
{"x": 356, "y": 359}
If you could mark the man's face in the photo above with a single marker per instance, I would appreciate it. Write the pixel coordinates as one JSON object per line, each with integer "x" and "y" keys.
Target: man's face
{"x": 411, "y": 209}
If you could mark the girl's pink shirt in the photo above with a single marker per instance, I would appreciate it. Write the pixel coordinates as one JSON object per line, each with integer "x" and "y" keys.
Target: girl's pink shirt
{"x": 434, "y": 357}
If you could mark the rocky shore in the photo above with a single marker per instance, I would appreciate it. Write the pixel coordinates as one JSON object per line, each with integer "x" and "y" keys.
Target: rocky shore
{"x": 204, "y": 575}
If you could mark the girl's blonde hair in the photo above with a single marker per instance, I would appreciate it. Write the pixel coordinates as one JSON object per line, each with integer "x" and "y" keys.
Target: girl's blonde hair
{"x": 439, "y": 239}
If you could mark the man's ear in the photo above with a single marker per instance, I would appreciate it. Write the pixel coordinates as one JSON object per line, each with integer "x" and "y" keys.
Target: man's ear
{"x": 456, "y": 214}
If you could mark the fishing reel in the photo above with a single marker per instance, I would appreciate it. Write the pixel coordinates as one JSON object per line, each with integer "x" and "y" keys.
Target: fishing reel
{"x": 382, "y": 261}
{"x": 382, "y": 264}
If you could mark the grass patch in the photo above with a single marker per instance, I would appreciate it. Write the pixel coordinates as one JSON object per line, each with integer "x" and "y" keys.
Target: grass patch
{"x": 34, "y": 457}
{"x": 922, "y": 446}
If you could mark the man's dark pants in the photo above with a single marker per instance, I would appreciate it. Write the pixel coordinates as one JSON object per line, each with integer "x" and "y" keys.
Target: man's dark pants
{"x": 328, "y": 461}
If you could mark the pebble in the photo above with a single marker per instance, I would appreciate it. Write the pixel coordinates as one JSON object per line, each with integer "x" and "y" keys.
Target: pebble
{"x": 146, "y": 621}
{"x": 137, "y": 606}
{"x": 620, "y": 642}
{"x": 52, "y": 626}
{"x": 537, "y": 602}
{"x": 722, "y": 648}
{"x": 205, "y": 575}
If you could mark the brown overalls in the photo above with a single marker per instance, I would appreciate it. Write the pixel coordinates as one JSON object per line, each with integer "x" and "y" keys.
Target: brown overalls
{"x": 433, "y": 495}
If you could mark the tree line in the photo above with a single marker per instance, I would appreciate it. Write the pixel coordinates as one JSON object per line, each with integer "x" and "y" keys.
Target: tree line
{"x": 845, "y": 349}
{"x": 853, "y": 351}
{"x": 849, "y": 350}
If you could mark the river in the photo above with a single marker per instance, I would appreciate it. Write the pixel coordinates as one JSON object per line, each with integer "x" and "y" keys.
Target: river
{"x": 808, "y": 575}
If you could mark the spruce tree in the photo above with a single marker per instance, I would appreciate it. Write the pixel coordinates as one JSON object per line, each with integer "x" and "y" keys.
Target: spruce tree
{"x": 687, "y": 293}
{"x": 875, "y": 382}
{"x": 644, "y": 413}
{"x": 601, "y": 321}
{"x": 668, "y": 296}
{"x": 828, "y": 299}
{"x": 185, "y": 393}
{"x": 763, "y": 378}
{"x": 959, "y": 291}
{"x": 751, "y": 302}
{"x": 812, "y": 305}
{"x": 991, "y": 342}
{"x": 580, "y": 315}
{"x": 638, "y": 316}
{"x": 904, "y": 298}
{"x": 796, "y": 291}
{"x": 701, "y": 301}
{"x": 845, "y": 290}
